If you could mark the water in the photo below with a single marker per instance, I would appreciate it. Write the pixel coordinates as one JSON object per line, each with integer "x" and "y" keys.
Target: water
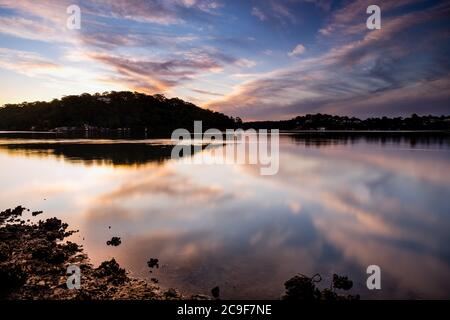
{"x": 338, "y": 204}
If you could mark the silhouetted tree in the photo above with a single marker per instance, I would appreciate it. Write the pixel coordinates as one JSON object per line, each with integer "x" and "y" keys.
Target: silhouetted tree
{"x": 112, "y": 110}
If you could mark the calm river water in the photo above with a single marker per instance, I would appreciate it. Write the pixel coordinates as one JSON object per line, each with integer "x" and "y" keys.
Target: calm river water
{"x": 337, "y": 205}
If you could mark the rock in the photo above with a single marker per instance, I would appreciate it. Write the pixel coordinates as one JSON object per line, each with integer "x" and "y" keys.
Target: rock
{"x": 172, "y": 293}
{"x": 153, "y": 263}
{"x": 11, "y": 278}
{"x": 215, "y": 292}
{"x": 112, "y": 271}
{"x": 342, "y": 282}
{"x": 200, "y": 297}
{"x": 34, "y": 260}
{"x": 301, "y": 287}
{"x": 154, "y": 280}
{"x": 115, "y": 241}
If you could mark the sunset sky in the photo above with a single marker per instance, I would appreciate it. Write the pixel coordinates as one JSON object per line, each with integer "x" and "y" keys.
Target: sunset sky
{"x": 254, "y": 59}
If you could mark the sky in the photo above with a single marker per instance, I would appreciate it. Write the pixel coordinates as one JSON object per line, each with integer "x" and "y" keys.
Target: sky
{"x": 255, "y": 59}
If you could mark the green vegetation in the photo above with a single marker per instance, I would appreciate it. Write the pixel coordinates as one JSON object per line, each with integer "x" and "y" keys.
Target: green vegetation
{"x": 329, "y": 122}
{"x": 110, "y": 110}
{"x": 132, "y": 111}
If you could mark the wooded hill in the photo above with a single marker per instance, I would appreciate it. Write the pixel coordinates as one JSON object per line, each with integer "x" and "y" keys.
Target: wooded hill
{"x": 110, "y": 110}
{"x": 159, "y": 115}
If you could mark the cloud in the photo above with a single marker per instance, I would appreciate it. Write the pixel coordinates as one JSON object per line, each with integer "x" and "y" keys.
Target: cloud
{"x": 346, "y": 18}
{"x": 163, "y": 12}
{"x": 322, "y": 4}
{"x": 158, "y": 75}
{"x": 25, "y": 62}
{"x": 163, "y": 46}
{"x": 298, "y": 50}
{"x": 258, "y": 13}
{"x": 285, "y": 11}
{"x": 28, "y": 29}
{"x": 375, "y": 74}
{"x": 166, "y": 57}
{"x": 106, "y": 38}
{"x": 272, "y": 10}
{"x": 245, "y": 63}
{"x": 165, "y": 182}
{"x": 47, "y": 10}
{"x": 209, "y": 93}
{"x": 37, "y": 20}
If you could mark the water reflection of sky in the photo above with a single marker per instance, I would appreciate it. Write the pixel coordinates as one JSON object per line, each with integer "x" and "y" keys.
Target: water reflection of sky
{"x": 334, "y": 206}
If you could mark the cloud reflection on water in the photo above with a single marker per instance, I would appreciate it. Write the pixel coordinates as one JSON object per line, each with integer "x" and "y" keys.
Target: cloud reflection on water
{"x": 334, "y": 208}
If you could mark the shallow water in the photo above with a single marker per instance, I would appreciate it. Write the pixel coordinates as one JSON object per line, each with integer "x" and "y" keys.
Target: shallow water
{"x": 337, "y": 205}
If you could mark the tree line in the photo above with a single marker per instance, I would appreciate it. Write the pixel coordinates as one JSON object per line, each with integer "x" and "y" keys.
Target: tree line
{"x": 155, "y": 113}
{"x": 330, "y": 122}
{"x": 110, "y": 110}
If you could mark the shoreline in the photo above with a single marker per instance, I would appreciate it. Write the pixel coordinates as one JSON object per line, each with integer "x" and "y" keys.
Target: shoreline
{"x": 34, "y": 261}
{"x": 126, "y": 133}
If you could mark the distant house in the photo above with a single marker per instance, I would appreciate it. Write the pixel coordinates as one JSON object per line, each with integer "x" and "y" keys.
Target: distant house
{"x": 66, "y": 129}
{"x": 62, "y": 129}
{"x": 89, "y": 128}
{"x": 104, "y": 99}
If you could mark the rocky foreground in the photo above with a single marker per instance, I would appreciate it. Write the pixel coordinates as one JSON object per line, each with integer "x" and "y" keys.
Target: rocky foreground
{"x": 34, "y": 261}
{"x": 34, "y": 258}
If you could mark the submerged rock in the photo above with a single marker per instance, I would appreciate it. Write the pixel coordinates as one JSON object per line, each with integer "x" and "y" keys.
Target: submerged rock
{"x": 36, "y": 213}
{"x": 115, "y": 241}
{"x": 112, "y": 272}
{"x": 33, "y": 265}
{"x": 153, "y": 263}
{"x": 215, "y": 292}
{"x": 172, "y": 294}
{"x": 154, "y": 280}
{"x": 301, "y": 287}
{"x": 342, "y": 282}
